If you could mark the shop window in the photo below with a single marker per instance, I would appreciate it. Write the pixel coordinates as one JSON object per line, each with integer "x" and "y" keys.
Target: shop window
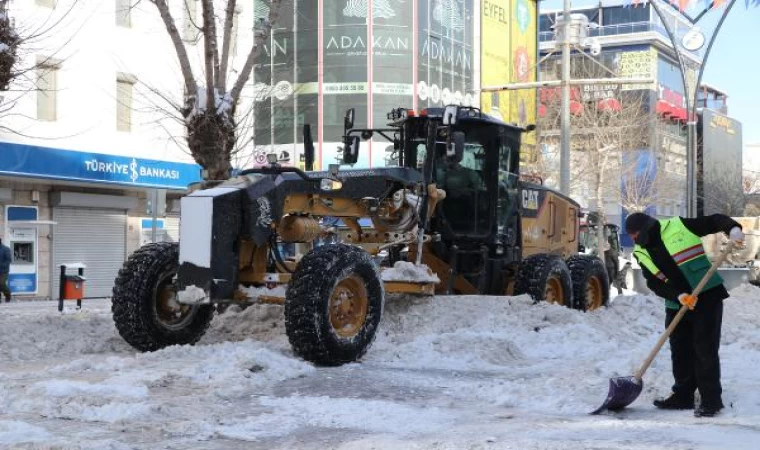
{"x": 617, "y": 15}
{"x": 23, "y": 253}
{"x": 47, "y": 89}
{"x": 124, "y": 93}
{"x": 123, "y": 13}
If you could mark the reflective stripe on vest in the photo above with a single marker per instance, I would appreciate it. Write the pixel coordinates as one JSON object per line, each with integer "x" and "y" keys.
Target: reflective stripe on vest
{"x": 687, "y": 251}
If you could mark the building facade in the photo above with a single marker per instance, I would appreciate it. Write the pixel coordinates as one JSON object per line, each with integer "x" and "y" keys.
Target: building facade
{"x": 85, "y": 141}
{"x": 374, "y": 56}
{"x": 634, "y": 44}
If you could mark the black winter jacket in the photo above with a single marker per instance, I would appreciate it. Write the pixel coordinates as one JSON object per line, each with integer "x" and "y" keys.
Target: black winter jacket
{"x": 677, "y": 283}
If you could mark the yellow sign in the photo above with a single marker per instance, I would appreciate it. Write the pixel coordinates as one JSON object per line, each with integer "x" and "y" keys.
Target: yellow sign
{"x": 723, "y": 122}
{"x": 523, "y": 49}
{"x": 641, "y": 64}
{"x": 495, "y": 54}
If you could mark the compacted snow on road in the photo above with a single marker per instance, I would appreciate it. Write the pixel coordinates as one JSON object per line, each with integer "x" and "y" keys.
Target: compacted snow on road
{"x": 444, "y": 373}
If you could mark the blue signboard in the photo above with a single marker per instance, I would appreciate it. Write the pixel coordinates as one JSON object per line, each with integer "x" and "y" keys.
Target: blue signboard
{"x": 44, "y": 162}
{"x": 22, "y": 283}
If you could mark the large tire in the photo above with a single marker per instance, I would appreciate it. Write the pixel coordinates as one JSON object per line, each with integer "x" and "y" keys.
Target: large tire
{"x": 591, "y": 285}
{"x": 322, "y": 327}
{"x": 144, "y": 304}
{"x": 545, "y": 278}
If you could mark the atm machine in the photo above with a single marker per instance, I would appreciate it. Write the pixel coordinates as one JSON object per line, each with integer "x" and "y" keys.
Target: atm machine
{"x": 21, "y": 236}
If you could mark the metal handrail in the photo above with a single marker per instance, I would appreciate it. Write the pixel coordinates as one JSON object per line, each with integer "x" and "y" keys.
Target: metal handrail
{"x": 612, "y": 30}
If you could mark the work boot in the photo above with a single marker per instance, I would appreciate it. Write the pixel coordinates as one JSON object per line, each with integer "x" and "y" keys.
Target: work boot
{"x": 675, "y": 401}
{"x": 707, "y": 410}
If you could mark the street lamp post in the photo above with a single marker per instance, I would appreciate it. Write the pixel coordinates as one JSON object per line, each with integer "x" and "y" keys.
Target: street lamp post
{"x": 564, "y": 154}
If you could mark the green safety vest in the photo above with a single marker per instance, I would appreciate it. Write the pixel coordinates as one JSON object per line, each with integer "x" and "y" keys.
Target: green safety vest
{"x": 686, "y": 249}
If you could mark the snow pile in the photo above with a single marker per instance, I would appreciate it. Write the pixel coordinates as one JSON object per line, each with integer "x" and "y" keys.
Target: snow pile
{"x": 222, "y": 103}
{"x": 409, "y": 272}
{"x": 450, "y": 372}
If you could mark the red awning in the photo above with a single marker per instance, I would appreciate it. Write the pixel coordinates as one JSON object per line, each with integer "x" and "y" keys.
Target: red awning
{"x": 664, "y": 108}
{"x": 679, "y": 114}
{"x": 542, "y": 110}
{"x": 609, "y": 104}
{"x": 576, "y": 108}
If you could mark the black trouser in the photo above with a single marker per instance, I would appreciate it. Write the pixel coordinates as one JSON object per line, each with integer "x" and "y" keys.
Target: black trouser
{"x": 4, "y": 286}
{"x": 694, "y": 348}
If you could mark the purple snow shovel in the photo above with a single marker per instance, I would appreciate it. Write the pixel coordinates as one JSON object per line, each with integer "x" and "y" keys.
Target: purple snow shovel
{"x": 625, "y": 390}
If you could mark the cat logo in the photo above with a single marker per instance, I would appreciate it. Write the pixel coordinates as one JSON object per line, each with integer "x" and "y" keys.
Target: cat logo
{"x": 723, "y": 122}
{"x": 530, "y": 199}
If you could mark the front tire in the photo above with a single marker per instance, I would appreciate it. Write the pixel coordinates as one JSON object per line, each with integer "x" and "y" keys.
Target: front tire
{"x": 333, "y": 305}
{"x": 545, "y": 278}
{"x": 144, "y": 303}
{"x": 591, "y": 285}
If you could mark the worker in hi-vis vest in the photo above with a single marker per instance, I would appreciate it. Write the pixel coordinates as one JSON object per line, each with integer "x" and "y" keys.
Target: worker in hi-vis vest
{"x": 673, "y": 261}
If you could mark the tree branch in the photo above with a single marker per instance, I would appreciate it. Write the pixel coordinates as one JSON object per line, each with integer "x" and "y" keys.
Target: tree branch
{"x": 261, "y": 36}
{"x": 221, "y": 74}
{"x": 184, "y": 62}
{"x": 209, "y": 42}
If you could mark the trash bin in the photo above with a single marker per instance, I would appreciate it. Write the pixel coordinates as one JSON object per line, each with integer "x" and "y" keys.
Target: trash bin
{"x": 71, "y": 286}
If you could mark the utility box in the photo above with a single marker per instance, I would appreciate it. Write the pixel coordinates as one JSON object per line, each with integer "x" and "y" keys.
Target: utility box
{"x": 71, "y": 285}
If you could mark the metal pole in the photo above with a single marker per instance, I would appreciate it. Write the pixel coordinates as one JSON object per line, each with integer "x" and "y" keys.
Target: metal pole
{"x": 154, "y": 211}
{"x": 564, "y": 156}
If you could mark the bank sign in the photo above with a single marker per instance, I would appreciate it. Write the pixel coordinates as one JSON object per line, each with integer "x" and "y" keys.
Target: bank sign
{"x": 50, "y": 163}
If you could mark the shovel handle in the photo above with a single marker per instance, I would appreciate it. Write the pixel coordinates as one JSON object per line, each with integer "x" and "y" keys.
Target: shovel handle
{"x": 660, "y": 342}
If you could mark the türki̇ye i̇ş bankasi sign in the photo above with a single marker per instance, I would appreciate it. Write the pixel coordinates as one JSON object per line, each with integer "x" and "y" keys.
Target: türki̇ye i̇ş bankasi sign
{"x": 51, "y": 163}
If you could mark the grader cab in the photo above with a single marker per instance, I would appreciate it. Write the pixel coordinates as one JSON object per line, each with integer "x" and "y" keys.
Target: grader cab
{"x": 450, "y": 217}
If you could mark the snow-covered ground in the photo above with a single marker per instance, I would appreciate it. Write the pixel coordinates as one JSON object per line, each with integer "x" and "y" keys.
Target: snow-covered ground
{"x": 444, "y": 373}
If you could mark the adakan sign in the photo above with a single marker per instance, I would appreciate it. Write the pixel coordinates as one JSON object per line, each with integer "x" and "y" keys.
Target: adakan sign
{"x": 57, "y": 164}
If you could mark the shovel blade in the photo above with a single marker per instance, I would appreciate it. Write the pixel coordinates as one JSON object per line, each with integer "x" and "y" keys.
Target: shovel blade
{"x": 623, "y": 392}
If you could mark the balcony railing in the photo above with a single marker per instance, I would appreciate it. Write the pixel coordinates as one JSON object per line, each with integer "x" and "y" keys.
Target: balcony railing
{"x": 613, "y": 30}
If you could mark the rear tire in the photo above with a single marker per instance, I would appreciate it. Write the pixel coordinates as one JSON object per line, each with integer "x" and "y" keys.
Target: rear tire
{"x": 545, "y": 278}
{"x": 333, "y": 305}
{"x": 591, "y": 285}
{"x": 144, "y": 304}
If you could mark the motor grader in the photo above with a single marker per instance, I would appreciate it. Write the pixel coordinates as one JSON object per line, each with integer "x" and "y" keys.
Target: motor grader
{"x": 450, "y": 217}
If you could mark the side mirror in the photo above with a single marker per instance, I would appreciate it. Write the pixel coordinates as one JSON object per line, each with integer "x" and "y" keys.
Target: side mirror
{"x": 308, "y": 148}
{"x": 348, "y": 121}
{"x": 531, "y": 127}
{"x": 450, "y": 115}
{"x": 351, "y": 150}
{"x": 455, "y": 147}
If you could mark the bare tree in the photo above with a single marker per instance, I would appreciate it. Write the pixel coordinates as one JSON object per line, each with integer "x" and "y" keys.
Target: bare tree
{"x": 9, "y": 42}
{"x": 18, "y": 41}
{"x": 722, "y": 193}
{"x": 651, "y": 176}
{"x": 210, "y": 104}
{"x": 605, "y": 123}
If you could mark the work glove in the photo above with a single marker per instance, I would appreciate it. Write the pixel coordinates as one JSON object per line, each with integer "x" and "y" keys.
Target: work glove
{"x": 737, "y": 237}
{"x": 688, "y": 300}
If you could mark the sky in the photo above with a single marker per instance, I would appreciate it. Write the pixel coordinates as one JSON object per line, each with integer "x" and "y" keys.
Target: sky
{"x": 732, "y": 65}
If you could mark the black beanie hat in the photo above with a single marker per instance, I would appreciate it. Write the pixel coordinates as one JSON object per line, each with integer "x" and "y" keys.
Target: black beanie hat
{"x": 637, "y": 222}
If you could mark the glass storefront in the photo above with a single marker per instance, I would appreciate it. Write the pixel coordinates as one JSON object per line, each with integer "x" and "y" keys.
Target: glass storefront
{"x": 423, "y": 55}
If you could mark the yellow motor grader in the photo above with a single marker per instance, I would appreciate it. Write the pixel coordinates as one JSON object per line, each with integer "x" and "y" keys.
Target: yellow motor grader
{"x": 450, "y": 217}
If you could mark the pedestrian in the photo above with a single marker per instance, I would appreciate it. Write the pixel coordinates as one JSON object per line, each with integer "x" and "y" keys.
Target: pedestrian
{"x": 673, "y": 261}
{"x": 5, "y": 269}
